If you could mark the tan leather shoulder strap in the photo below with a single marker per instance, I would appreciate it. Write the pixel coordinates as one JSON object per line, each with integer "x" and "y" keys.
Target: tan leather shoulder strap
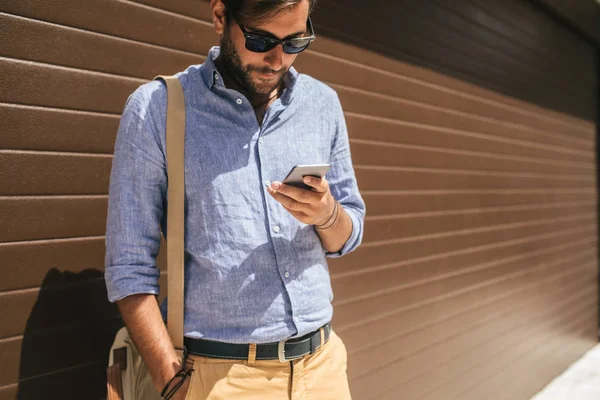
{"x": 175, "y": 211}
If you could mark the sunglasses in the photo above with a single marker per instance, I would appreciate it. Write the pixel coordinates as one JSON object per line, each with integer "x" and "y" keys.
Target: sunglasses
{"x": 261, "y": 44}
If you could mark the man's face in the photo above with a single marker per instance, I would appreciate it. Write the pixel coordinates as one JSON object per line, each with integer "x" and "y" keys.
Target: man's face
{"x": 262, "y": 73}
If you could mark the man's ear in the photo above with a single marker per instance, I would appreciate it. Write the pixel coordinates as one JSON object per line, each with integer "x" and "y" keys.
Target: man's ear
{"x": 218, "y": 15}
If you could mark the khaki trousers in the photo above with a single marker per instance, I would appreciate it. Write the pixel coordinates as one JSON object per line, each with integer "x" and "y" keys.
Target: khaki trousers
{"x": 319, "y": 376}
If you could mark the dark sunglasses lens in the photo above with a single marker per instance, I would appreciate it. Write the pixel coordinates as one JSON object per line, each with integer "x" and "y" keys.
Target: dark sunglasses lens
{"x": 295, "y": 46}
{"x": 258, "y": 45}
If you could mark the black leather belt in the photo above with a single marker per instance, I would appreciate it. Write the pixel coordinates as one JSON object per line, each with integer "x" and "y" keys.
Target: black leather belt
{"x": 283, "y": 351}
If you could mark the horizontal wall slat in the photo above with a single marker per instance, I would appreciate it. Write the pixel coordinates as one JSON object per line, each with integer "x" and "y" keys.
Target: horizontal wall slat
{"x": 47, "y": 173}
{"x": 450, "y": 18}
{"x": 28, "y": 265}
{"x": 418, "y": 233}
{"x": 478, "y": 351}
{"x": 407, "y": 178}
{"x": 550, "y": 364}
{"x": 400, "y": 202}
{"x": 38, "y": 128}
{"x": 122, "y": 19}
{"x": 44, "y": 85}
{"x": 524, "y": 345}
{"x": 540, "y": 29}
{"x": 192, "y": 8}
{"x": 348, "y": 288}
{"x": 521, "y": 347}
{"x": 564, "y": 354}
{"x": 407, "y": 225}
{"x": 70, "y": 47}
{"x": 443, "y": 47}
{"x": 429, "y": 76}
{"x": 375, "y": 30}
{"x": 447, "y": 311}
{"x": 491, "y": 317}
{"x": 530, "y": 359}
{"x": 476, "y": 281}
{"x": 530, "y": 47}
{"x": 476, "y": 323}
{"x": 418, "y": 50}
{"x": 521, "y": 340}
{"x": 355, "y": 75}
{"x": 63, "y": 217}
{"x": 368, "y": 103}
{"x": 525, "y": 143}
{"x": 440, "y": 246}
{"x": 385, "y": 154}
{"x": 477, "y": 40}
{"x": 540, "y": 369}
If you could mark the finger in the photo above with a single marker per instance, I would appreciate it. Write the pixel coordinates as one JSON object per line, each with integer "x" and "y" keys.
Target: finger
{"x": 288, "y": 202}
{"x": 300, "y": 195}
{"x": 319, "y": 185}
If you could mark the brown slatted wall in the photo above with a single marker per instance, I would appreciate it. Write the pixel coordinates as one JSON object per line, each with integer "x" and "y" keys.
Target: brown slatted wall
{"x": 479, "y": 267}
{"x": 65, "y": 76}
{"x": 479, "y": 260}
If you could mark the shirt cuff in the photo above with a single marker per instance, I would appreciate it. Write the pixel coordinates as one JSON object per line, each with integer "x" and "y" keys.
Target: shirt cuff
{"x": 127, "y": 280}
{"x": 354, "y": 239}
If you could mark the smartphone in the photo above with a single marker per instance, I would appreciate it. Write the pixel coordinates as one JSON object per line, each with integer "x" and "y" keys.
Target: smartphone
{"x": 296, "y": 174}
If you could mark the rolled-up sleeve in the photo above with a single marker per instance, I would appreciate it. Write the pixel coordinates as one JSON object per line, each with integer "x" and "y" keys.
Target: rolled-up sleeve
{"x": 137, "y": 190}
{"x": 342, "y": 182}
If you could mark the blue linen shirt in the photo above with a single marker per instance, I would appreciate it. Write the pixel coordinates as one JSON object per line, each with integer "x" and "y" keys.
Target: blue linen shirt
{"x": 254, "y": 273}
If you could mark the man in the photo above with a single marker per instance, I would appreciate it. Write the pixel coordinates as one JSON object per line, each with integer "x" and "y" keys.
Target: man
{"x": 255, "y": 267}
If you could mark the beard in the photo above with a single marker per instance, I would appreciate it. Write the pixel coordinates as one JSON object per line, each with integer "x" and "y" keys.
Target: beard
{"x": 243, "y": 74}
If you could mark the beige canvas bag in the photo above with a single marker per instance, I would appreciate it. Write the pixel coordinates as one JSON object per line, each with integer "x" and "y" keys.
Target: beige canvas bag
{"x": 127, "y": 376}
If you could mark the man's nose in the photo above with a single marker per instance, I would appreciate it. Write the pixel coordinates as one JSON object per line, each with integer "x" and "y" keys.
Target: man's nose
{"x": 275, "y": 57}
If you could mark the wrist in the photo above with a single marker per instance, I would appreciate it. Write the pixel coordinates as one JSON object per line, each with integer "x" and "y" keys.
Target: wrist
{"x": 166, "y": 374}
{"x": 332, "y": 220}
{"x": 328, "y": 215}
{"x": 176, "y": 383}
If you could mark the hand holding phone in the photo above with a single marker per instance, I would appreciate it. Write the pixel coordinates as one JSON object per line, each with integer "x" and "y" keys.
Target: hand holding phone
{"x": 296, "y": 175}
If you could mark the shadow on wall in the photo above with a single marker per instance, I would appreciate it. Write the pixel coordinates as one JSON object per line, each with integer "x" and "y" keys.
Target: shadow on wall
{"x": 67, "y": 338}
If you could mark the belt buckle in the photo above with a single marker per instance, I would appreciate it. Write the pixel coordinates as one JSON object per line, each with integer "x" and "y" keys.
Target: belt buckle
{"x": 281, "y": 351}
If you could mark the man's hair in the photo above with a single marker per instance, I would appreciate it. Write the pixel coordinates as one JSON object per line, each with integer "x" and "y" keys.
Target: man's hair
{"x": 244, "y": 11}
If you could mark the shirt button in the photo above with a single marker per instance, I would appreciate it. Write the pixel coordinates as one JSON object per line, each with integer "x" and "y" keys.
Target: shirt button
{"x": 260, "y": 141}
{"x": 239, "y": 101}
{"x": 276, "y": 228}
{"x": 287, "y": 274}
{"x": 216, "y": 77}
{"x": 267, "y": 183}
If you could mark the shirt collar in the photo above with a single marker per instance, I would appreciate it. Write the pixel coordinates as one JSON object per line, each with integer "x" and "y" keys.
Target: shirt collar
{"x": 209, "y": 71}
{"x": 213, "y": 78}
